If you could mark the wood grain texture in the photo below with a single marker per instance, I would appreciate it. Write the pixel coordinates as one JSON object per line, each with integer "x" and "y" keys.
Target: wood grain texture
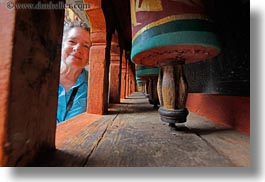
{"x": 33, "y": 68}
{"x": 169, "y": 87}
{"x": 97, "y": 65}
{"x": 132, "y": 136}
{"x": 182, "y": 87}
{"x": 74, "y": 150}
{"x": 7, "y": 24}
{"x": 65, "y": 130}
{"x": 114, "y": 92}
{"x": 139, "y": 139}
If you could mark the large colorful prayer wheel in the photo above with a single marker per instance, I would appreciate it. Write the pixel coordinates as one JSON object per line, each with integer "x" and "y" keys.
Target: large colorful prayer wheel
{"x": 170, "y": 30}
{"x": 169, "y": 34}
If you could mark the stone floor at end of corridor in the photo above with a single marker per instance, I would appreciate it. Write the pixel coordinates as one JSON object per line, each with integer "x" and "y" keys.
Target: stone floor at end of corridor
{"x": 132, "y": 135}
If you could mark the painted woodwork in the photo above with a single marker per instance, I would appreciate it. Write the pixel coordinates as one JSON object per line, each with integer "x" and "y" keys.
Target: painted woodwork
{"x": 30, "y": 51}
{"x": 115, "y": 78}
{"x": 176, "y": 30}
{"x": 169, "y": 34}
{"x": 98, "y": 67}
{"x": 123, "y": 78}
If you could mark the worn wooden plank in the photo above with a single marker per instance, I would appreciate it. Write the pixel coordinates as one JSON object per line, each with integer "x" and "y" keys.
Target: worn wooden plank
{"x": 232, "y": 144}
{"x": 139, "y": 139}
{"x": 73, "y": 127}
{"x": 228, "y": 142}
{"x": 74, "y": 150}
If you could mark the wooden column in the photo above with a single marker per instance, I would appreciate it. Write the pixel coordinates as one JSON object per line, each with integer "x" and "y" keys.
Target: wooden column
{"x": 114, "y": 96}
{"x": 146, "y": 84}
{"x": 98, "y": 68}
{"x": 127, "y": 79}
{"x": 142, "y": 86}
{"x": 152, "y": 91}
{"x": 115, "y": 69}
{"x": 139, "y": 86}
{"x": 132, "y": 81}
{"x": 96, "y": 90}
{"x": 29, "y": 75}
{"x": 123, "y": 78}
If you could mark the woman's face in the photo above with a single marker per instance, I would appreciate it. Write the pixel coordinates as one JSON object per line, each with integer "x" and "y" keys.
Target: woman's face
{"x": 75, "y": 48}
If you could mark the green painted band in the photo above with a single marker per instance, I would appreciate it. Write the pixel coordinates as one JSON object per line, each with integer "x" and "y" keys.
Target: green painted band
{"x": 140, "y": 67}
{"x": 207, "y": 39}
{"x": 175, "y": 26}
{"x": 146, "y": 72}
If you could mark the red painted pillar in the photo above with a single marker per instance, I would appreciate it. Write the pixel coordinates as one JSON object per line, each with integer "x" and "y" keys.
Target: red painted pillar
{"x": 123, "y": 78}
{"x": 114, "y": 96}
{"x": 132, "y": 80}
{"x": 115, "y": 77}
{"x": 127, "y": 79}
{"x": 96, "y": 91}
{"x": 98, "y": 75}
{"x": 133, "y": 88}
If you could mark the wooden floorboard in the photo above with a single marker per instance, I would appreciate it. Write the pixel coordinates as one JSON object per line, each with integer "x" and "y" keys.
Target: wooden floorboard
{"x": 139, "y": 139}
{"x": 132, "y": 135}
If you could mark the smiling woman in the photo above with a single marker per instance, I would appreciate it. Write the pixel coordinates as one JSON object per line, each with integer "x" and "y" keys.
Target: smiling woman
{"x": 29, "y": 76}
{"x": 72, "y": 96}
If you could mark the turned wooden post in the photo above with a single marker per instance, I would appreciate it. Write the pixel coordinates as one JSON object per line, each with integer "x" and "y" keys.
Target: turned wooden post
{"x": 152, "y": 91}
{"x": 182, "y": 86}
{"x": 173, "y": 90}
{"x": 146, "y": 84}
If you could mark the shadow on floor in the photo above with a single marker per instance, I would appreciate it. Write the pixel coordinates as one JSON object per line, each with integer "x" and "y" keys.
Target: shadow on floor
{"x": 133, "y": 108}
{"x": 58, "y": 158}
{"x": 198, "y": 131}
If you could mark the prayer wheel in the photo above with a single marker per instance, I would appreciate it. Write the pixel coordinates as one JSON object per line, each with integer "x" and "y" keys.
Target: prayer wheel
{"x": 139, "y": 84}
{"x": 149, "y": 76}
{"x": 170, "y": 30}
{"x": 169, "y": 34}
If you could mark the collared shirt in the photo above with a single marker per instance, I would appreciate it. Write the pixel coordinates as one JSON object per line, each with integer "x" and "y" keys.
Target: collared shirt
{"x": 80, "y": 99}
